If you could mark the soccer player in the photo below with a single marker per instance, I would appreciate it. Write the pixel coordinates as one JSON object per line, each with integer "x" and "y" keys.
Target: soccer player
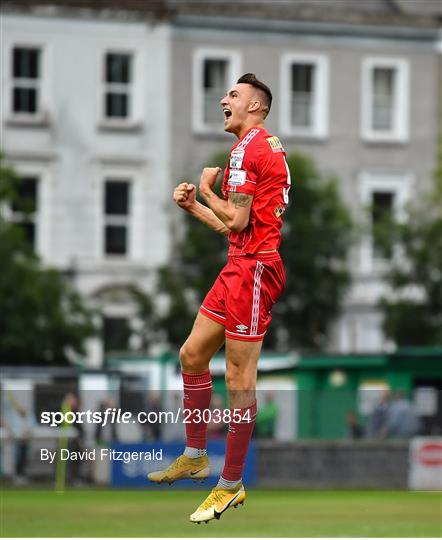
{"x": 236, "y": 311}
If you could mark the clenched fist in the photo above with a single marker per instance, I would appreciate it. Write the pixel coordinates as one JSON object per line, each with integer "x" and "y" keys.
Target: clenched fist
{"x": 184, "y": 195}
{"x": 208, "y": 178}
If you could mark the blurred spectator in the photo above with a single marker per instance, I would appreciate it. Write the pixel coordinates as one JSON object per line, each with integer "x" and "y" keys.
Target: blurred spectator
{"x": 216, "y": 430}
{"x": 266, "y": 418}
{"x": 152, "y": 430}
{"x": 18, "y": 424}
{"x": 71, "y": 404}
{"x": 354, "y": 429}
{"x": 108, "y": 433}
{"x": 402, "y": 419}
{"x": 377, "y": 423}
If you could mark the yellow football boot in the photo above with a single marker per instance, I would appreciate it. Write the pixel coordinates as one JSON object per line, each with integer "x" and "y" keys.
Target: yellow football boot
{"x": 218, "y": 502}
{"x": 183, "y": 467}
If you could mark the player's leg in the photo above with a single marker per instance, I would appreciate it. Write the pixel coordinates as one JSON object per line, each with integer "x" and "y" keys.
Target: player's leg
{"x": 253, "y": 287}
{"x": 205, "y": 339}
{"x": 241, "y": 371}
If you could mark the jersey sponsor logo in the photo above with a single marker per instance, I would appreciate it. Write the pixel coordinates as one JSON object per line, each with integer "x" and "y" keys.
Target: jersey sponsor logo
{"x": 237, "y": 177}
{"x": 275, "y": 144}
{"x": 242, "y": 328}
{"x": 236, "y": 159}
{"x": 279, "y": 210}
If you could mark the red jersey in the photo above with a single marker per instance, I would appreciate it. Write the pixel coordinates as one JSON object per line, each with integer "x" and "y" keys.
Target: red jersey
{"x": 257, "y": 166}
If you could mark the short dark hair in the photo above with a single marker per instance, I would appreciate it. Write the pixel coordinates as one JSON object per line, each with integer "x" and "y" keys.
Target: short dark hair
{"x": 250, "y": 78}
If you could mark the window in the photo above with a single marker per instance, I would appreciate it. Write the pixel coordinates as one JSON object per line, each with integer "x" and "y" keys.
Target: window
{"x": 385, "y": 99}
{"x": 116, "y": 334}
{"x": 214, "y": 72}
{"x": 384, "y": 196}
{"x": 25, "y": 207}
{"x": 304, "y": 95}
{"x": 215, "y": 84}
{"x": 118, "y": 82}
{"x": 26, "y": 74}
{"x": 116, "y": 217}
{"x": 382, "y": 207}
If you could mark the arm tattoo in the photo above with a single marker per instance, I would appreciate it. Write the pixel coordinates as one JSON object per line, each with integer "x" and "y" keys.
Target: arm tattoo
{"x": 240, "y": 199}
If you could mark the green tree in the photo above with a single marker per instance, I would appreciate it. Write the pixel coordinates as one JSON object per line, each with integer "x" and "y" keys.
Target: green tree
{"x": 413, "y": 312}
{"x": 317, "y": 235}
{"x": 43, "y": 320}
{"x": 200, "y": 253}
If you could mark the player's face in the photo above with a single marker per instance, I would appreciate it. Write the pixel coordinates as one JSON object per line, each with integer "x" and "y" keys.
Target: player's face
{"x": 235, "y": 105}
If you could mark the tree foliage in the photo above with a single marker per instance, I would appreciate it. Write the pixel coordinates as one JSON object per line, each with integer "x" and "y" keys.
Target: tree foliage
{"x": 199, "y": 255}
{"x": 43, "y": 320}
{"x": 413, "y": 312}
{"x": 317, "y": 236}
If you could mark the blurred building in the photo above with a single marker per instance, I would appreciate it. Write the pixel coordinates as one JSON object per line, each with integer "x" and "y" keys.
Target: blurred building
{"x": 107, "y": 105}
{"x": 85, "y": 115}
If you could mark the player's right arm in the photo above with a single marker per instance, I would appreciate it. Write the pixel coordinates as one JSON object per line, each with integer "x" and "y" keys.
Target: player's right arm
{"x": 185, "y": 197}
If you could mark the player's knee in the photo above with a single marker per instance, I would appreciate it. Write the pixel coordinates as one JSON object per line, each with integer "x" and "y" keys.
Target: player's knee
{"x": 191, "y": 361}
{"x": 237, "y": 379}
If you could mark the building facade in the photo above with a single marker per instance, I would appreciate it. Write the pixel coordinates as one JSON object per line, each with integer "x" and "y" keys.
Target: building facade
{"x": 84, "y": 123}
{"x": 106, "y": 109}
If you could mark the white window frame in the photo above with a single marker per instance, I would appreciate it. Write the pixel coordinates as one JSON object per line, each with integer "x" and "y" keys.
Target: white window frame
{"x": 320, "y": 126}
{"x": 401, "y": 110}
{"x": 369, "y": 182}
{"x": 135, "y": 220}
{"x": 134, "y": 90}
{"x": 233, "y": 59}
{"x": 41, "y": 84}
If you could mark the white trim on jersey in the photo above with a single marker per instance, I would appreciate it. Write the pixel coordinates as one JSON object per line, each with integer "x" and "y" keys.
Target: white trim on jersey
{"x": 250, "y": 135}
{"x": 285, "y": 191}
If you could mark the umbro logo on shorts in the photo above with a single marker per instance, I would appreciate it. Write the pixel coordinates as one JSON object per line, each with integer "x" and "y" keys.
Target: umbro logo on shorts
{"x": 242, "y": 328}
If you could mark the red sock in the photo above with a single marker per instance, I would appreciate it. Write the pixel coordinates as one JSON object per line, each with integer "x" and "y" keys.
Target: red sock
{"x": 238, "y": 439}
{"x": 197, "y": 396}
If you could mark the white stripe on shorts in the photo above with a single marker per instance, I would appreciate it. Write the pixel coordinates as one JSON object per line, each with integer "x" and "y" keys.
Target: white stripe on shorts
{"x": 256, "y": 296}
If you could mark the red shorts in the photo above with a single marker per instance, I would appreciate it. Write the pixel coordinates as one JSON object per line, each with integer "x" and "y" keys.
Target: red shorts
{"x": 243, "y": 295}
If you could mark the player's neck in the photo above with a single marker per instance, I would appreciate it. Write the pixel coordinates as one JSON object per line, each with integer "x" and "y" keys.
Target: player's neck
{"x": 248, "y": 126}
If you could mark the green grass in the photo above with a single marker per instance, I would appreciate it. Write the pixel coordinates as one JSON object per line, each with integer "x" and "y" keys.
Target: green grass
{"x": 265, "y": 513}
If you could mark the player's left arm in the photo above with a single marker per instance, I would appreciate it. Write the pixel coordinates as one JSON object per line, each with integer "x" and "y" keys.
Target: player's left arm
{"x": 235, "y": 211}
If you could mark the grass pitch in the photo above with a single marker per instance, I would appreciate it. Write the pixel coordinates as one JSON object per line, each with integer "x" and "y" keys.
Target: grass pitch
{"x": 265, "y": 513}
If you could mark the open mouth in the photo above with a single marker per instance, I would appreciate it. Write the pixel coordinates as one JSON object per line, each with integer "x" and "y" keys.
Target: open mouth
{"x": 227, "y": 113}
